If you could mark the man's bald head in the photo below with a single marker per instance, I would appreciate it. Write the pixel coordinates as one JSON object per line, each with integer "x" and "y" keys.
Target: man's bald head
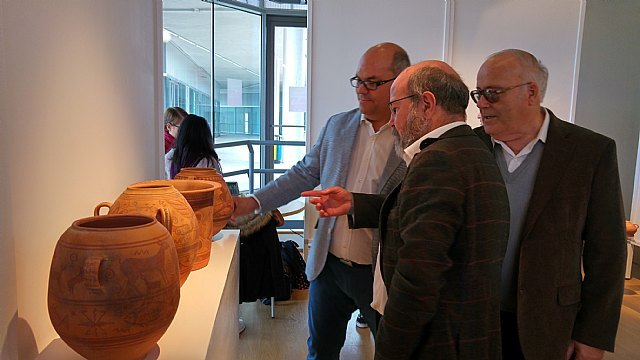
{"x": 440, "y": 79}
{"x": 394, "y": 55}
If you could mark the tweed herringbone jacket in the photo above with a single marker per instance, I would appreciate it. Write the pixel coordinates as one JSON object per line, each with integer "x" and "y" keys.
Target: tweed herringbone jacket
{"x": 444, "y": 232}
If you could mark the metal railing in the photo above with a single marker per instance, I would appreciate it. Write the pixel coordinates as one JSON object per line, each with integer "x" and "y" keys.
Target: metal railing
{"x": 252, "y": 170}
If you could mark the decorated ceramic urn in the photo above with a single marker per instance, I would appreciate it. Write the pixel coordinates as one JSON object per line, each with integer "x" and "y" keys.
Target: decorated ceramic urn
{"x": 114, "y": 286}
{"x": 199, "y": 194}
{"x": 222, "y": 204}
{"x": 148, "y": 199}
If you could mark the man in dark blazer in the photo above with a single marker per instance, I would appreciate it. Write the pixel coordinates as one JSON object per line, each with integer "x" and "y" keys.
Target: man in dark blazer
{"x": 443, "y": 229}
{"x": 563, "y": 272}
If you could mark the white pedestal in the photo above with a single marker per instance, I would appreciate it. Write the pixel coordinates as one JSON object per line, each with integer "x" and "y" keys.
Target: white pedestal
{"x": 206, "y": 323}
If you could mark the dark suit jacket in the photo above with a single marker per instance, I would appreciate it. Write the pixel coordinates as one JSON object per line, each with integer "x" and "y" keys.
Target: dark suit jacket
{"x": 444, "y": 233}
{"x": 575, "y": 217}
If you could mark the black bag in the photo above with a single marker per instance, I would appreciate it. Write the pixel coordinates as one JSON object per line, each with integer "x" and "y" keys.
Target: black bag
{"x": 294, "y": 265}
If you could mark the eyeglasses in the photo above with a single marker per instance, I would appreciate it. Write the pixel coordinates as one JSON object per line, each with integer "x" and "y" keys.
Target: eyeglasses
{"x": 174, "y": 125}
{"x": 492, "y": 95}
{"x": 394, "y": 110}
{"x": 369, "y": 85}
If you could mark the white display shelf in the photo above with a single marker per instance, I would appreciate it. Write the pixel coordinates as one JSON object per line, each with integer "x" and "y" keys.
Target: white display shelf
{"x": 206, "y": 323}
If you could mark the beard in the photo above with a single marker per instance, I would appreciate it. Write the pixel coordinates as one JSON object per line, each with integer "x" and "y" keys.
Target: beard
{"x": 398, "y": 145}
{"x": 417, "y": 126}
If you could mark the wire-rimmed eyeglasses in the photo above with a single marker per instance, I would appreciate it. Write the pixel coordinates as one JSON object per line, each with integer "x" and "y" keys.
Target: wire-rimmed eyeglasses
{"x": 394, "y": 110}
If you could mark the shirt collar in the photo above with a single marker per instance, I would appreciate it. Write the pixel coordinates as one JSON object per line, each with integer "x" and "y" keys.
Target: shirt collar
{"x": 369, "y": 126}
{"x": 414, "y": 148}
{"x": 542, "y": 136}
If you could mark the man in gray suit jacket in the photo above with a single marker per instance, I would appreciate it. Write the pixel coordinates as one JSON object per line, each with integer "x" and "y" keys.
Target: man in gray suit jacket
{"x": 563, "y": 272}
{"x": 355, "y": 150}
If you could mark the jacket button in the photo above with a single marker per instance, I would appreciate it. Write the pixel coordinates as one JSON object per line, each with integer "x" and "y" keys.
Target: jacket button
{"x": 521, "y": 291}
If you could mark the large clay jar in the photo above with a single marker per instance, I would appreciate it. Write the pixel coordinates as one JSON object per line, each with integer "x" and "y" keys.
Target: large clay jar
{"x": 631, "y": 228}
{"x": 222, "y": 204}
{"x": 114, "y": 286}
{"x": 146, "y": 199}
{"x": 199, "y": 195}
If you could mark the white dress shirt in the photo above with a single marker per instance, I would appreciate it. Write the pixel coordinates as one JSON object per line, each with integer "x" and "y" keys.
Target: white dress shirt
{"x": 370, "y": 155}
{"x": 514, "y": 161}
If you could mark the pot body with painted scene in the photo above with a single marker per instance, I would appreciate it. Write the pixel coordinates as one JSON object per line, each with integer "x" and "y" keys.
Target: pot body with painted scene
{"x": 147, "y": 199}
{"x": 114, "y": 286}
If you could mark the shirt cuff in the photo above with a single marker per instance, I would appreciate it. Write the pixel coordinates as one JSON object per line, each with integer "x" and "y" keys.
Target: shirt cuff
{"x": 259, "y": 209}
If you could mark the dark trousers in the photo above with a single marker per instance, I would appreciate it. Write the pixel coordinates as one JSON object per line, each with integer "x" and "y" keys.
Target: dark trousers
{"x": 334, "y": 295}
{"x": 511, "y": 349}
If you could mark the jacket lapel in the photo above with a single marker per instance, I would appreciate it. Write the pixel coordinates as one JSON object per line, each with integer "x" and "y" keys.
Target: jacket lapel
{"x": 346, "y": 136}
{"x": 392, "y": 168}
{"x": 556, "y": 155}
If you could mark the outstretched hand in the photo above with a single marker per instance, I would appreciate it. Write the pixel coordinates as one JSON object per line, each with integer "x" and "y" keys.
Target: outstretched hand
{"x": 333, "y": 201}
{"x": 243, "y": 206}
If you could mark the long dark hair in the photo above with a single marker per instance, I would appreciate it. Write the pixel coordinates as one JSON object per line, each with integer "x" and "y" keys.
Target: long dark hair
{"x": 193, "y": 144}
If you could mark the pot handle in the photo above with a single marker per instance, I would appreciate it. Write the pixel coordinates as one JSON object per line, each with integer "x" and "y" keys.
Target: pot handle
{"x": 96, "y": 211}
{"x": 91, "y": 271}
{"x": 163, "y": 215}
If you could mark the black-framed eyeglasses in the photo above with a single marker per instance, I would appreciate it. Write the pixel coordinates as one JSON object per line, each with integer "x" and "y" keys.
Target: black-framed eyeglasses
{"x": 492, "y": 95}
{"x": 369, "y": 85}
{"x": 395, "y": 110}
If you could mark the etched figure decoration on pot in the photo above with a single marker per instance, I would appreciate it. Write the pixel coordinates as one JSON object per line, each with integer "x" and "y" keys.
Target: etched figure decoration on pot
{"x": 222, "y": 204}
{"x": 114, "y": 286}
{"x": 199, "y": 195}
{"x": 146, "y": 199}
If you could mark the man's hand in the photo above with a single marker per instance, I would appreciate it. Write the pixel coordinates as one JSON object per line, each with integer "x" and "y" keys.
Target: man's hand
{"x": 580, "y": 351}
{"x": 334, "y": 201}
{"x": 243, "y": 206}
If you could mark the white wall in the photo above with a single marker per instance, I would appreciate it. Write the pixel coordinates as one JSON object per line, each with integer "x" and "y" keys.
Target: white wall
{"x": 8, "y": 288}
{"x": 462, "y": 32}
{"x": 549, "y": 29}
{"x": 8, "y": 299}
{"x": 81, "y": 109}
{"x": 340, "y": 31}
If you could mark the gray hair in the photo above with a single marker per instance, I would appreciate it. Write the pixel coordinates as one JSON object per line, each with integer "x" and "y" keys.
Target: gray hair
{"x": 449, "y": 90}
{"x": 531, "y": 64}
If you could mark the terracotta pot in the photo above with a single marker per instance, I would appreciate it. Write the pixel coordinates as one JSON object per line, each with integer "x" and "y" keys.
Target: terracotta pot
{"x": 144, "y": 199}
{"x": 222, "y": 204}
{"x": 199, "y": 195}
{"x": 631, "y": 228}
{"x": 114, "y": 286}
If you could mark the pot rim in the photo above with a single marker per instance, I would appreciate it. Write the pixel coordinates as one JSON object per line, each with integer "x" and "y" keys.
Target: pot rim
{"x": 138, "y": 221}
{"x": 205, "y": 185}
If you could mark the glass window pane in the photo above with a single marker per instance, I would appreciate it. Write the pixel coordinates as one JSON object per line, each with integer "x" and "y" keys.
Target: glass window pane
{"x": 236, "y": 60}
{"x": 290, "y": 100}
{"x": 187, "y": 56}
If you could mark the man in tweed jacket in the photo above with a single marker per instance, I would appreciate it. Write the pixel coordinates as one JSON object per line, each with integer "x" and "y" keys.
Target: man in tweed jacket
{"x": 444, "y": 229}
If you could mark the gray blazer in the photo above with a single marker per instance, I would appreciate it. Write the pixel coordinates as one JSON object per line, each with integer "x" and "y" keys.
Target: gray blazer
{"x": 327, "y": 164}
